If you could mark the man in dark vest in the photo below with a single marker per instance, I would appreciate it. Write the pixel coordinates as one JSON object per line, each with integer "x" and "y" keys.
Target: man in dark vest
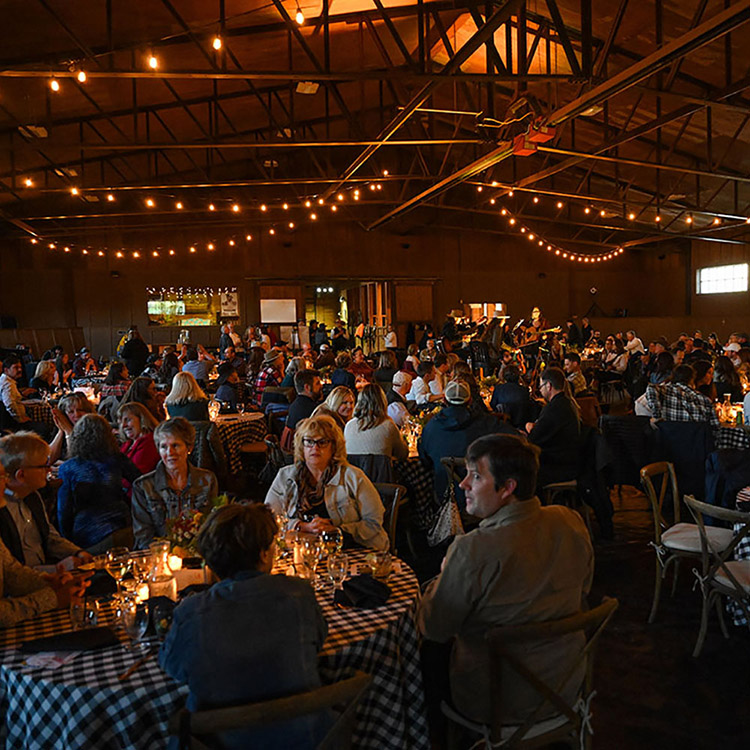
{"x": 25, "y": 528}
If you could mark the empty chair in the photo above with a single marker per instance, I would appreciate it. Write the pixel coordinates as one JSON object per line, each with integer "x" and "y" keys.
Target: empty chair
{"x": 720, "y": 575}
{"x": 393, "y": 497}
{"x": 343, "y": 696}
{"x": 675, "y": 540}
{"x": 554, "y": 718}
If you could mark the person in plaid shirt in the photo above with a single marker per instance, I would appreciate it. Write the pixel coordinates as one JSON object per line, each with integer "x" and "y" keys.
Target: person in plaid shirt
{"x": 676, "y": 401}
{"x": 117, "y": 382}
{"x": 271, "y": 373}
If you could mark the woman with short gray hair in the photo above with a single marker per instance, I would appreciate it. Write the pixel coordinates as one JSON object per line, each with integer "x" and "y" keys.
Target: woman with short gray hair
{"x": 173, "y": 486}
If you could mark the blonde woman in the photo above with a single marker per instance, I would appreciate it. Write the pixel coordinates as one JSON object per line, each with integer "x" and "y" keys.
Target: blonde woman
{"x": 45, "y": 378}
{"x": 339, "y": 405}
{"x": 322, "y": 491}
{"x": 187, "y": 399}
{"x": 371, "y": 431}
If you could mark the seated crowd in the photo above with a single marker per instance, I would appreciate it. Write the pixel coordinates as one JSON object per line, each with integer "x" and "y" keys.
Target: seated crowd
{"x": 123, "y": 473}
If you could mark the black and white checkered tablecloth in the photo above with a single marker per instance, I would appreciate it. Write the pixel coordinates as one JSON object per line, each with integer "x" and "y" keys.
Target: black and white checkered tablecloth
{"x": 84, "y": 705}
{"x": 418, "y": 480}
{"x": 733, "y": 437}
{"x": 741, "y": 552}
{"x": 38, "y": 411}
{"x": 239, "y": 429}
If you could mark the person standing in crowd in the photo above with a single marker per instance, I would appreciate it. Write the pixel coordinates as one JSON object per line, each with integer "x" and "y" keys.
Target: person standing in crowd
{"x": 391, "y": 338}
{"x": 525, "y": 563}
{"x": 135, "y": 352}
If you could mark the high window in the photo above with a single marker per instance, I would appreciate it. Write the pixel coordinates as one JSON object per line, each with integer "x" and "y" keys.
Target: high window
{"x": 722, "y": 279}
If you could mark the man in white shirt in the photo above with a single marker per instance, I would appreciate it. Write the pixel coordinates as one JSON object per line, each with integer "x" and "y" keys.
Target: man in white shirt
{"x": 420, "y": 386}
{"x": 391, "y": 340}
{"x": 15, "y": 416}
{"x": 442, "y": 375}
{"x": 633, "y": 345}
{"x": 397, "y": 408}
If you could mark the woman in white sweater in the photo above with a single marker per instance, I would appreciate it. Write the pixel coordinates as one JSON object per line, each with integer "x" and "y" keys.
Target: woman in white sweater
{"x": 371, "y": 430}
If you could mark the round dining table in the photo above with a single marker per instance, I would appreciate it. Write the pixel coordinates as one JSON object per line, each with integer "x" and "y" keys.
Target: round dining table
{"x": 94, "y": 700}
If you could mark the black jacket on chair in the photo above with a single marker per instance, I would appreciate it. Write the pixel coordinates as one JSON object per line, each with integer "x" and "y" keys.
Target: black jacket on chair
{"x": 558, "y": 433}
{"x": 515, "y": 401}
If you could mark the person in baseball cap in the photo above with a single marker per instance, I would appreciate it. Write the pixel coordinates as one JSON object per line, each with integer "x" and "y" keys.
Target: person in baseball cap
{"x": 457, "y": 392}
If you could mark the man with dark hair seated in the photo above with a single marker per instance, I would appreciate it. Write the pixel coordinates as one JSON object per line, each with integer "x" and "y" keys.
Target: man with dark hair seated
{"x": 558, "y": 430}
{"x": 525, "y": 563}
{"x": 513, "y": 398}
{"x": 309, "y": 391}
{"x": 572, "y": 365}
{"x": 250, "y": 637}
{"x": 13, "y": 414}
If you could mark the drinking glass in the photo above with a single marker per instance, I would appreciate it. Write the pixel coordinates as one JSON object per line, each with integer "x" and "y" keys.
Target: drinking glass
{"x": 312, "y": 551}
{"x": 117, "y": 565}
{"x": 333, "y": 541}
{"x": 90, "y": 613}
{"x": 338, "y": 567}
{"x": 78, "y": 615}
{"x": 134, "y": 618}
{"x": 141, "y": 563}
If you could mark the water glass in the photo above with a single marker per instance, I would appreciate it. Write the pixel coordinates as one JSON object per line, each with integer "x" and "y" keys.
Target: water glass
{"x": 134, "y": 619}
{"x": 312, "y": 551}
{"x": 338, "y": 568}
{"x": 333, "y": 541}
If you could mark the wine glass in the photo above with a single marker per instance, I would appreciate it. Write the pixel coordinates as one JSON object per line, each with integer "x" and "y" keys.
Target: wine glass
{"x": 141, "y": 563}
{"x": 118, "y": 565}
{"x": 134, "y": 618}
{"x": 332, "y": 540}
{"x": 312, "y": 551}
{"x": 338, "y": 567}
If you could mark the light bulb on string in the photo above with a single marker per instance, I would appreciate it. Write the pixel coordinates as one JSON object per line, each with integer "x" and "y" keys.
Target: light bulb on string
{"x": 119, "y": 253}
{"x": 155, "y": 253}
{"x": 171, "y": 252}
{"x": 657, "y": 218}
{"x": 28, "y": 182}
{"x": 320, "y": 201}
{"x": 688, "y": 219}
{"x": 536, "y": 199}
{"x": 492, "y": 201}
{"x": 510, "y": 193}
{"x": 285, "y": 206}
{"x": 271, "y": 231}
{"x": 308, "y": 204}
{"x": 231, "y": 243}
{"x": 313, "y": 216}
{"x": 299, "y": 16}
{"x": 559, "y": 204}
{"x": 136, "y": 255}
{"x": 263, "y": 207}
{"x": 216, "y": 43}
{"x": 291, "y": 225}
{"x": 178, "y": 205}
{"x": 54, "y": 84}
{"x": 110, "y": 198}
{"x": 211, "y": 246}
{"x": 236, "y": 208}
{"x": 74, "y": 191}
{"x": 153, "y": 62}
{"x": 717, "y": 220}
{"x": 631, "y": 216}
{"x": 340, "y": 197}
{"x": 150, "y": 202}
{"x": 248, "y": 237}
{"x": 479, "y": 188}
{"x": 587, "y": 210}
{"x": 211, "y": 207}
{"x": 101, "y": 253}
{"x": 192, "y": 249}
{"x": 602, "y": 213}
{"x": 81, "y": 76}
{"x": 334, "y": 208}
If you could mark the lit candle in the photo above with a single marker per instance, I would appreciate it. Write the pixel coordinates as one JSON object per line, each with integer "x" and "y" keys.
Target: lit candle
{"x": 141, "y": 593}
{"x": 175, "y": 562}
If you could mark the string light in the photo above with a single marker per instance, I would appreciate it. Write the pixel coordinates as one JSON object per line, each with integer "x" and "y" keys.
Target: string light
{"x": 34, "y": 240}
{"x": 291, "y": 225}
{"x": 74, "y": 191}
{"x": 385, "y": 173}
{"x": 587, "y": 210}
{"x": 211, "y": 207}
{"x": 210, "y": 246}
{"x": 285, "y": 206}
{"x": 308, "y": 204}
{"x": 28, "y": 182}
{"x": 271, "y": 231}
{"x": 340, "y": 197}
{"x": 178, "y": 205}
{"x": 321, "y": 201}
{"x": 81, "y": 76}
{"x": 150, "y": 202}
{"x": 559, "y": 204}
{"x": 110, "y": 198}
{"x": 66, "y": 249}
{"x": 231, "y": 243}
{"x": 536, "y": 199}
{"x": 657, "y": 218}
{"x": 118, "y": 254}
{"x": 171, "y": 252}
{"x": 631, "y": 216}
{"x": 136, "y": 255}
{"x": 101, "y": 253}
{"x": 153, "y": 62}
{"x": 192, "y": 249}
{"x": 717, "y": 220}
{"x": 216, "y": 43}
{"x": 248, "y": 237}
{"x": 299, "y": 16}
{"x": 54, "y": 84}
{"x": 236, "y": 208}
{"x": 334, "y": 208}
{"x": 263, "y": 207}
{"x": 602, "y": 213}
{"x": 510, "y": 193}
{"x": 492, "y": 201}
{"x": 313, "y": 216}
{"x": 688, "y": 219}
{"x": 479, "y": 188}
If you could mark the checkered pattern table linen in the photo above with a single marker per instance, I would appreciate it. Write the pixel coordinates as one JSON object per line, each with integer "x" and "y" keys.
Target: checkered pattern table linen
{"x": 732, "y": 437}
{"x": 741, "y": 552}
{"x": 38, "y": 411}
{"x": 239, "y": 429}
{"x": 418, "y": 480}
{"x": 84, "y": 705}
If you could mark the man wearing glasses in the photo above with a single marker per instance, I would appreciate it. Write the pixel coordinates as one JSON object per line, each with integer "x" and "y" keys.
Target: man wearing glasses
{"x": 25, "y": 528}
{"x": 26, "y": 593}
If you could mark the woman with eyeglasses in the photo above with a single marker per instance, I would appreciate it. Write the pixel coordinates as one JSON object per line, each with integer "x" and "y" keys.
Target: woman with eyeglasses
{"x": 322, "y": 491}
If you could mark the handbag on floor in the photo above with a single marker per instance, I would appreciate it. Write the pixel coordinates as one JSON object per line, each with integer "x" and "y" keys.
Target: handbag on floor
{"x": 448, "y": 519}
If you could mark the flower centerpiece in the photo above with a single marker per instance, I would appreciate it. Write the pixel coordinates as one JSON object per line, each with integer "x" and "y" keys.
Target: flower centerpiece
{"x": 182, "y": 530}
